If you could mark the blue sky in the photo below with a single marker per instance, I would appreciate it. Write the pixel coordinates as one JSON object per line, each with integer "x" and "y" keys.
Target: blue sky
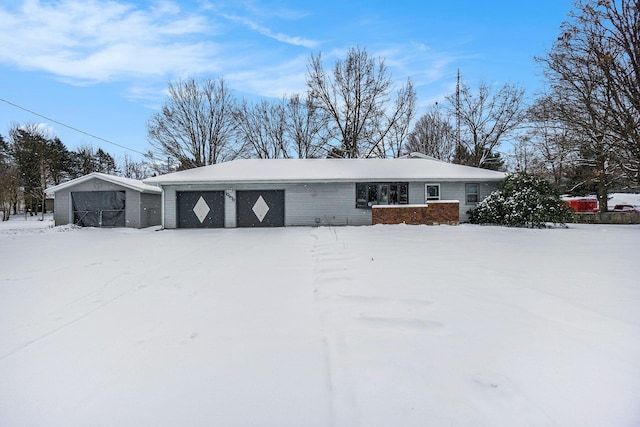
{"x": 103, "y": 66}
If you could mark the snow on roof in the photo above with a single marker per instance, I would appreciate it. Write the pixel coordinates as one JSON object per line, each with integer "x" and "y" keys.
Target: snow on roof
{"x": 133, "y": 184}
{"x": 327, "y": 170}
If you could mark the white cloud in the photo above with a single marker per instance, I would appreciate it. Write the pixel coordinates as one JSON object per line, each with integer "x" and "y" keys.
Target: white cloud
{"x": 273, "y": 81}
{"x": 86, "y": 42}
{"x": 44, "y": 129}
{"x": 271, "y": 10}
{"x": 284, "y": 38}
{"x": 96, "y": 41}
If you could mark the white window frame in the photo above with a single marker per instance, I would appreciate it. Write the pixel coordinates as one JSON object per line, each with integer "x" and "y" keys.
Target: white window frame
{"x": 365, "y": 187}
{"x": 467, "y": 194}
{"x": 426, "y": 192}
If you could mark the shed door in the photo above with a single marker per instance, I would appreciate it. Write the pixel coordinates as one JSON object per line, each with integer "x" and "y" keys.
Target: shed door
{"x": 262, "y": 208}
{"x": 200, "y": 209}
{"x": 99, "y": 208}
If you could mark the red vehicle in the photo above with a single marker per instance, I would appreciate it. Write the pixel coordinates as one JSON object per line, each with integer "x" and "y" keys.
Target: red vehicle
{"x": 625, "y": 208}
{"x": 583, "y": 205}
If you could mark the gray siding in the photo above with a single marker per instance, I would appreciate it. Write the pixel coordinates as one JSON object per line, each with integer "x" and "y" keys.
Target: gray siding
{"x": 62, "y": 208}
{"x": 169, "y": 210}
{"x": 305, "y": 204}
{"x": 450, "y": 191}
{"x": 416, "y": 193}
{"x": 230, "y": 208}
{"x": 135, "y": 216}
{"x": 324, "y": 204}
{"x": 319, "y": 203}
{"x": 132, "y": 209}
{"x": 150, "y": 209}
{"x": 457, "y": 191}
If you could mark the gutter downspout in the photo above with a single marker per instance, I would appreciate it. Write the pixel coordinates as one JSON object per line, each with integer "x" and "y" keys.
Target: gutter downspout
{"x": 162, "y": 208}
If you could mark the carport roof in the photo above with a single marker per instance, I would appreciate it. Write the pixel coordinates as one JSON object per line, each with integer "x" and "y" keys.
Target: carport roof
{"x": 133, "y": 184}
{"x": 327, "y": 170}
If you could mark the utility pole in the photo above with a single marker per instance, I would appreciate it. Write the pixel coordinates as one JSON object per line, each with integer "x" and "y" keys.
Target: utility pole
{"x": 458, "y": 155}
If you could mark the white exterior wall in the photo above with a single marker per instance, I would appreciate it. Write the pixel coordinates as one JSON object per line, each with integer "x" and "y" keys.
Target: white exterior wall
{"x": 451, "y": 191}
{"x": 319, "y": 203}
{"x": 323, "y": 204}
{"x": 230, "y": 208}
{"x": 169, "y": 208}
{"x": 305, "y": 204}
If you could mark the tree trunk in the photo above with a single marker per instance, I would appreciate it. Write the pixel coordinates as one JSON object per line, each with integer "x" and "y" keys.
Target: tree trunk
{"x": 603, "y": 192}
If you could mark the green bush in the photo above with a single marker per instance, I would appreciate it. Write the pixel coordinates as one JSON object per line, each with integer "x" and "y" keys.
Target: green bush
{"x": 522, "y": 200}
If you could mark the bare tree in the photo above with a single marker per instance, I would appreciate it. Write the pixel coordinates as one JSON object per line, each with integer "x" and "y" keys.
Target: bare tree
{"x": 594, "y": 72}
{"x": 523, "y": 155}
{"x": 261, "y": 129}
{"x": 355, "y": 96}
{"x": 554, "y": 143}
{"x": 306, "y": 128}
{"x": 432, "y": 135}
{"x": 405, "y": 107}
{"x": 130, "y": 168}
{"x": 487, "y": 117}
{"x": 196, "y": 125}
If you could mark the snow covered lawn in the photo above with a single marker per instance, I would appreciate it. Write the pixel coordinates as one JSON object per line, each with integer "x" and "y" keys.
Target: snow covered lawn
{"x": 352, "y": 326}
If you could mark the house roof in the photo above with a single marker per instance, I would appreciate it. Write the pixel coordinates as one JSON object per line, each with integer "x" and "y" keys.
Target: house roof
{"x": 133, "y": 184}
{"x": 327, "y": 170}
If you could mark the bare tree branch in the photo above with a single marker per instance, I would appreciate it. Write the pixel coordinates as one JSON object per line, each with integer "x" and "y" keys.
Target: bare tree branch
{"x": 196, "y": 125}
{"x": 355, "y": 97}
{"x": 486, "y": 119}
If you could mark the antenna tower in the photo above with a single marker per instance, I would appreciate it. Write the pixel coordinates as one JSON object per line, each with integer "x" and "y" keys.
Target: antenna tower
{"x": 458, "y": 156}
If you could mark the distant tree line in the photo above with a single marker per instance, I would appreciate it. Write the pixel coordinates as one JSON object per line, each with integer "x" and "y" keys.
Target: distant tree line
{"x": 31, "y": 160}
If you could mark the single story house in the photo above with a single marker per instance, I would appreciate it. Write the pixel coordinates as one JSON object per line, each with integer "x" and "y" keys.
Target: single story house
{"x": 101, "y": 200}
{"x": 303, "y": 192}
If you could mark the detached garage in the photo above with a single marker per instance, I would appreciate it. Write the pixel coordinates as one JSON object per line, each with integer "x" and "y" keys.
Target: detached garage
{"x": 101, "y": 200}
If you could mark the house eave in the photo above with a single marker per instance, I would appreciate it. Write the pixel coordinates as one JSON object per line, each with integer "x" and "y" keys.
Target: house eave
{"x": 144, "y": 188}
{"x": 321, "y": 181}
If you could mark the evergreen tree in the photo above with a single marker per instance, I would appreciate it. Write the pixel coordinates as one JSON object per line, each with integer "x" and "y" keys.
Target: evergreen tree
{"x": 105, "y": 162}
{"x": 40, "y": 161}
{"x": 8, "y": 180}
{"x": 522, "y": 200}
{"x": 86, "y": 160}
{"x": 59, "y": 163}
{"x": 30, "y": 150}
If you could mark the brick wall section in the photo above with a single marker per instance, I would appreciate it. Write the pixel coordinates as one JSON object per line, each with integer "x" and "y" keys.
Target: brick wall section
{"x": 607, "y": 218}
{"x": 433, "y": 213}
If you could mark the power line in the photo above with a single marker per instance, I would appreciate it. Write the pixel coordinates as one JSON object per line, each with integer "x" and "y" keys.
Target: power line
{"x": 72, "y": 128}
